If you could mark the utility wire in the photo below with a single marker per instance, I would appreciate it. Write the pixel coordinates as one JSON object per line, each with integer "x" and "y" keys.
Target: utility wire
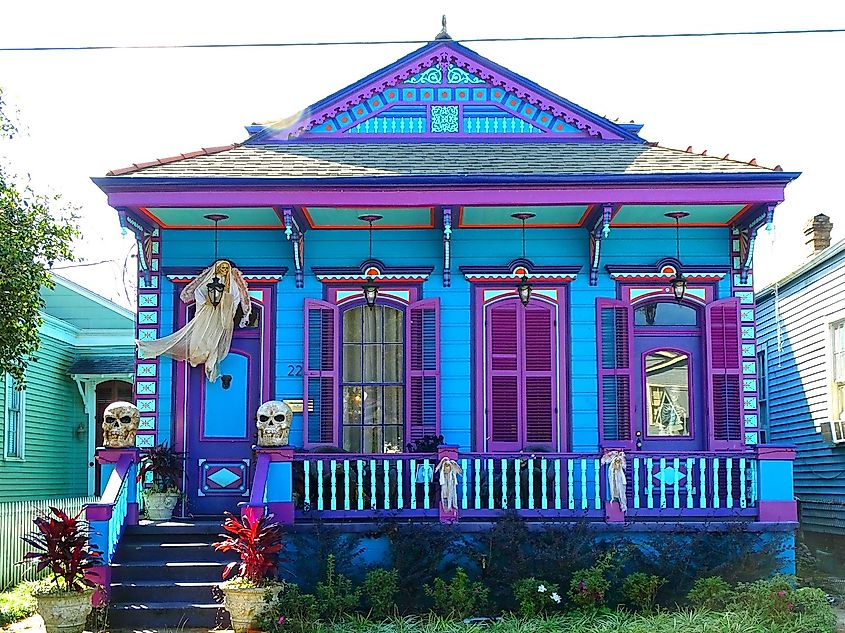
{"x": 565, "y": 38}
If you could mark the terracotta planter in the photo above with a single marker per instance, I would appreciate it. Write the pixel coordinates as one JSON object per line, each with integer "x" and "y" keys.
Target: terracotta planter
{"x": 244, "y": 604}
{"x": 159, "y": 505}
{"x": 64, "y": 612}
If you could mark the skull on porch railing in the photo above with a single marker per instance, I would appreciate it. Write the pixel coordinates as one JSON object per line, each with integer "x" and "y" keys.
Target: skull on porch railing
{"x": 273, "y": 421}
{"x": 120, "y": 424}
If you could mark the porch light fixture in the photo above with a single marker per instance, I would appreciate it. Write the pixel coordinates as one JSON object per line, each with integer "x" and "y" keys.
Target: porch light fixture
{"x": 370, "y": 287}
{"x": 215, "y": 286}
{"x": 679, "y": 282}
{"x": 523, "y": 288}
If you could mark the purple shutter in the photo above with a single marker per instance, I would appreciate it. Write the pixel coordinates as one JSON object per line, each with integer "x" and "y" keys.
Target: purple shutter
{"x": 423, "y": 334}
{"x": 503, "y": 376}
{"x": 724, "y": 351}
{"x": 540, "y": 373}
{"x": 321, "y": 372}
{"x": 615, "y": 363}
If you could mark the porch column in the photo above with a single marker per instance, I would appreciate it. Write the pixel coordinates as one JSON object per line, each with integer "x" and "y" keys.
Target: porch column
{"x": 775, "y": 492}
{"x": 446, "y": 451}
{"x": 272, "y": 485}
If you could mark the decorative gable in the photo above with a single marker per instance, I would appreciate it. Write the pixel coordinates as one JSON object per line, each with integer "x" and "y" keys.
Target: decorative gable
{"x": 445, "y": 91}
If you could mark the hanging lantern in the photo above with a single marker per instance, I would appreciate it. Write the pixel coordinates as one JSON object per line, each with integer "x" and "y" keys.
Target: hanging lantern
{"x": 370, "y": 289}
{"x": 215, "y": 287}
{"x": 679, "y": 282}
{"x": 523, "y": 288}
{"x": 679, "y": 286}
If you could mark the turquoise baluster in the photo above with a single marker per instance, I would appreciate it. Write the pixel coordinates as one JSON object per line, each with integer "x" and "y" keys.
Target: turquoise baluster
{"x": 319, "y": 484}
{"x": 360, "y": 465}
{"x": 729, "y": 467}
{"x": 662, "y": 482}
{"x": 636, "y": 482}
{"x": 676, "y": 464}
{"x": 544, "y": 486}
{"x": 753, "y": 482}
{"x": 306, "y": 469}
{"x": 516, "y": 484}
{"x": 743, "y": 500}
{"x": 465, "y": 482}
{"x": 333, "y": 480}
{"x": 649, "y": 484}
{"x": 558, "y": 503}
{"x": 530, "y": 483}
{"x": 689, "y": 481}
{"x": 570, "y": 483}
{"x": 426, "y": 484}
{"x": 583, "y": 484}
{"x": 477, "y": 463}
{"x": 373, "y": 499}
{"x": 504, "y": 483}
{"x": 386, "y": 468}
{"x": 490, "y": 477}
{"x": 597, "y": 484}
{"x": 346, "y": 504}
{"x": 400, "y": 501}
{"x": 413, "y": 475}
{"x": 702, "y": 483}
{"x": 715, "y": 482}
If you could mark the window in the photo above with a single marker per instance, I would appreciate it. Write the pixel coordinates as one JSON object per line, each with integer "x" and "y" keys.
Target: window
{"x": 665, "y": 313}
{"x": 667, "y": 392}
{"x": 14, "y": 420}
{"x": 372, "y": 375}
{"x": 763, "y": 392}
{"x": 521, "y": 367}
{"x": 838, "y": 371}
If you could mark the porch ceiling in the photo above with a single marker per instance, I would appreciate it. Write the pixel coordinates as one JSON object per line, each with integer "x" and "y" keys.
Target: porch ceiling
{"x": 193, "y": 217}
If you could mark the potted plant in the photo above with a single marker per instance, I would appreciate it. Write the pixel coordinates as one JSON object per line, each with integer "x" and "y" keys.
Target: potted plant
{"x": 61, "y": 546}
{"x": 258, "y": 543}
{"x": 165, "y": 465}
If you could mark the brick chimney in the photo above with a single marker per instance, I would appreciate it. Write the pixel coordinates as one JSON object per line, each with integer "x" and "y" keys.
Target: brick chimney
{"x": 817, "y": 232}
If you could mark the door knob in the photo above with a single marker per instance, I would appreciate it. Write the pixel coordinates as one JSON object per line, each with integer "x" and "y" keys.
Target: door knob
{"x": 90, "y": 464}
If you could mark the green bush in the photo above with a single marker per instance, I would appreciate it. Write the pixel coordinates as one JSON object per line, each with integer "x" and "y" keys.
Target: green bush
{"x": 640, "y": 590}
{"x": 335, "y": 594}
{"x": 711, "y": 593}
{"x": 588, "y": 587}
{"x": 380, "y": 588}
{"x": 534, "y": 597}
{"x": 460, "y": 597}
{"x": 291, "y": 611}
{"x": 773, "y": 598}
{"x": 16, "y": 604}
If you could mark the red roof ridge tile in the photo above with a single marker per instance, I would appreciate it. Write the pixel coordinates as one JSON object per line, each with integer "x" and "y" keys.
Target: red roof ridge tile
{"x": 205, "y": 151}
{"x": 726, "y": 157}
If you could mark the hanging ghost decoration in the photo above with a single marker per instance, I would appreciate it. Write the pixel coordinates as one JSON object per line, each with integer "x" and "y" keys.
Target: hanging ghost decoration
{"x": 206, "y": 338}
{"x": 616, "y": 464}
{"x": 449, "y": 470}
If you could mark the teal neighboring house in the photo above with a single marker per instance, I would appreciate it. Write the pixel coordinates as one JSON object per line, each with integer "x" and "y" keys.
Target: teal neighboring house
{"x": 50, "y": 430}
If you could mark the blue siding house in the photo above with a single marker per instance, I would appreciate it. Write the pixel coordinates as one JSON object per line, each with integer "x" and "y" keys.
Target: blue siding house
{"x": 801, "y": 352}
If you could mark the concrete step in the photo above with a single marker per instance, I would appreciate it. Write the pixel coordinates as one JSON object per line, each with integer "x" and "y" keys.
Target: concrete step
{"x": 183, "y": 571}
{"x": 176, "y": 526}
{"x": 190, "y": 551}
{"x": 170, "y": 615}
{"x": 176, "y": 591}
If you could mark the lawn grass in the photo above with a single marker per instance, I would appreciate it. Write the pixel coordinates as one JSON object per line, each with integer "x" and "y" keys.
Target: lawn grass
{"x": 16, "y": 604}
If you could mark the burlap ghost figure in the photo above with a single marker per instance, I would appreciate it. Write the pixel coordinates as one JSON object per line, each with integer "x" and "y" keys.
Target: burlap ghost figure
{"x": 273, "y": 421}
{"x": 616, "y": 464}
{"x": 120, "y": 424}
{"x": 449, "y": 470}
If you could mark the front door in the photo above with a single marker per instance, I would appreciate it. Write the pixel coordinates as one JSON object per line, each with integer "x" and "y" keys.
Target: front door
{"x": 669, "y": 392}
{"x": 221, "y": 428}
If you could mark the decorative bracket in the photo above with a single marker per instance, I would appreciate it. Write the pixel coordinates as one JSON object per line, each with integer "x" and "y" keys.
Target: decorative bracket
{"x": 295, "y": 235}
{"x": 747, "y": 236}
{"x": 447, "y": 247}
{"x": 598, "y": 225}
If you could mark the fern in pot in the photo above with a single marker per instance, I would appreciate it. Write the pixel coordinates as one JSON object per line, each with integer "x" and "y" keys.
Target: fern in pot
{"x": 165, "y": 466}
{"x": 60, "y": 544}
{"x": 258, "y": 543}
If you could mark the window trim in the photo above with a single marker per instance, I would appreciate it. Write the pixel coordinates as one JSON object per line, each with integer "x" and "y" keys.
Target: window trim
{"x": 8, "y": 385}
{"x": 830, "y": 359}
{"x": 480, "y": 432}
{"x": 646, "y": 403}
{"x": 762, "y": 359}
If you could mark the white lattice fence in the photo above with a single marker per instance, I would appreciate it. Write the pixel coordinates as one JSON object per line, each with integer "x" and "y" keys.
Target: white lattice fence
{"x": 16, "y": 521}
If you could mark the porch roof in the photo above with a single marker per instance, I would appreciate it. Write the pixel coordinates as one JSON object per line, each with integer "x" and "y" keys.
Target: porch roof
{"x": 293, "y": 161}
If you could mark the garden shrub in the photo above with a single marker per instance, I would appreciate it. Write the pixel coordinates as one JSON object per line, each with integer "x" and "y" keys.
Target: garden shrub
{"x": 588, "y": 587}
{"x": 291, "y": 611}
{"x": 380, "y": 588}
{"x": 640, "y": 590}
{"x": 711, "y": 593}
{"x": 534, "y": 596}
{"x": 16, "y": 604}
{"x": 460, "y": 597}
{"x": 311, "y": 551}
{"x": 335, "y": 595}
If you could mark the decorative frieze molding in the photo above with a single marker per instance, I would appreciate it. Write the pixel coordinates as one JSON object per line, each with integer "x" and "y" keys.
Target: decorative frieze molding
{"x": 518, "y": 268}
{"x": 665, "y": 270}
{"x": 372, "y": 269}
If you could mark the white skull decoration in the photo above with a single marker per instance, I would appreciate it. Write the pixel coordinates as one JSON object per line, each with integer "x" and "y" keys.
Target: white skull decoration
{"x": 273, "y": 422}
{"x": 120, "y": 424}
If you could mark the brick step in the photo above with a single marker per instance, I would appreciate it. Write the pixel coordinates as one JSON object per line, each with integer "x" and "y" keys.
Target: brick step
{"x": 167, "y": 615}
{"x": 184, "y": 571}
{"x": 175, "y": 591}
{"x": 192, "y": 551}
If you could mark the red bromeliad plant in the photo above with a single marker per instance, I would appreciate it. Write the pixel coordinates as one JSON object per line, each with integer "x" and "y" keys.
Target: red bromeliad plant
{"x": 61, "y": 545}
{"x": 258, "y": 543}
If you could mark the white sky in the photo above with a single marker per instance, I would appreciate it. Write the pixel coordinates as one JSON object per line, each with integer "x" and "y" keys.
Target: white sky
{"x": 777, "y": 98}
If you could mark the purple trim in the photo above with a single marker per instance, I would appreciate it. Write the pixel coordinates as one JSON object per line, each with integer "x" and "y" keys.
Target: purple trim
{"x": 603, "y": 303}
{"x": 113, "y": 455}
{"x": 308, "y": 373}
{"x": 711, "y": 371}
{"x": 508, "y": 268}
{"x": 777, "y": 511}
{"x": 411, "y": 373}
{"x": 282, "y": 511}
{"x": 723, "y": 513}
{"x": 99, "y": 511}
{"x": 372, "y": 263}
{"x": 775, "y": 451}
{"x": 613, "y": 513}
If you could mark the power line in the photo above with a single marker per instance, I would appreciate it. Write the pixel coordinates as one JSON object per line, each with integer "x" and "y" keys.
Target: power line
{"x": 83, "y": 264}
{"x": 564, "y": 38}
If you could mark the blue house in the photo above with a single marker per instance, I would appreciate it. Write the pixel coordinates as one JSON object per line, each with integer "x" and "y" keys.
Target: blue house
{"x": 801, "y": 358}
{"x": 445, "y": 248}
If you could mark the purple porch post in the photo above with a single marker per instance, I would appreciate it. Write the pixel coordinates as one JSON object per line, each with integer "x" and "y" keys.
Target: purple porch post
{"x": 272, "y": 485}
{"x": 450, "y": 451}
{"x": 776, "y": 495}
{"x": 108, "y": 458}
